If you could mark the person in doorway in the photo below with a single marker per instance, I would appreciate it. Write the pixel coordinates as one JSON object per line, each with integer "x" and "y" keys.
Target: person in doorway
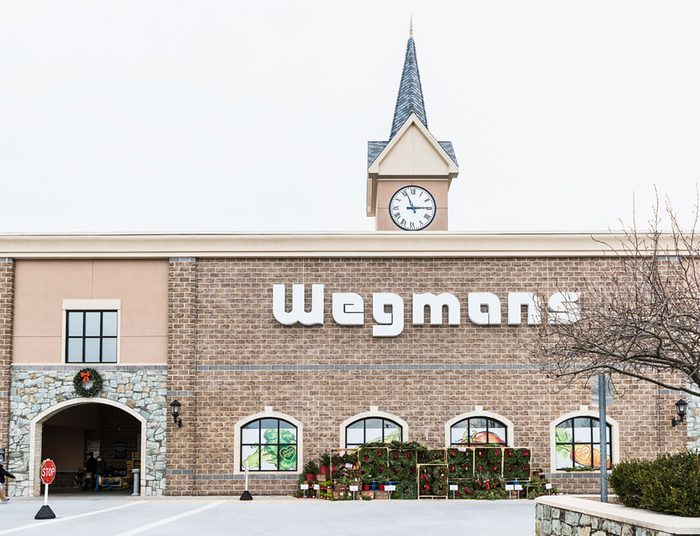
{"x": 100, "y": 471}
{"x": 4, "y": 474}
{"x": 90, "y": 469}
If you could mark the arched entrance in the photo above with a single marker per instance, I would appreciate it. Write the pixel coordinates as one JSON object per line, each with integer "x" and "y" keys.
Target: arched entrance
{"x": 67, "y": 431}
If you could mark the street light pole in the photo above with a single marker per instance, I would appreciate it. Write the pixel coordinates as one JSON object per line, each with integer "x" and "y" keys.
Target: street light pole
{"x": 603, "y": 432}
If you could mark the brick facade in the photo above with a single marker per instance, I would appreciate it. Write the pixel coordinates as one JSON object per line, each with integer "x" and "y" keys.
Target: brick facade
{"x": 229, "y": 358}
{"x": 7, "y": 278}
{"x": 182, "y": 374}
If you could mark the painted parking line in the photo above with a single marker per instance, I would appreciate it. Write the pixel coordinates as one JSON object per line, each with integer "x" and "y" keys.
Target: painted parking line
{"x": 46, "y": 523}
{"x": 170, "y": 519}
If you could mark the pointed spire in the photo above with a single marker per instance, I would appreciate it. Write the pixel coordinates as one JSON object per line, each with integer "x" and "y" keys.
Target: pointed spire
{"x": 410, "y": 98}
{"x": 410, "y": 27}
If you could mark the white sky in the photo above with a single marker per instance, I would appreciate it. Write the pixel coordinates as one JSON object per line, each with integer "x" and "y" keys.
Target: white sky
{"x": 245, "y": 116}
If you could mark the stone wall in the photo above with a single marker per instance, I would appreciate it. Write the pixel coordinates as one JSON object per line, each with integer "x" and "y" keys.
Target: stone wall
{"x": 571, "y": 521}
{"x": 36, "y": 389}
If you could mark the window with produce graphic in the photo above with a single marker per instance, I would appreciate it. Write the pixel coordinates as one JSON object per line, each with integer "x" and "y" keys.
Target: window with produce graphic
{"x": 578, "y": 444}
{"x": 478, "y": 431}
{"x": 372, "y": 430}
{"x": 269, "y": 445}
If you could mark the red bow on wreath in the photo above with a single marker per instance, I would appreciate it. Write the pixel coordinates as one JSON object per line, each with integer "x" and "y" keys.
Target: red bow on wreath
{"x": 85, "y": 377}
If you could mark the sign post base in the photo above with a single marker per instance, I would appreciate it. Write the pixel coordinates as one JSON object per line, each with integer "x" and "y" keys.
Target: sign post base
{"x": 246, "y": 496}
{"x": 45, "y": 512}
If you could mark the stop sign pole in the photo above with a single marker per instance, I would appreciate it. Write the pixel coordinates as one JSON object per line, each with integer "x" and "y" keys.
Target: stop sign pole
{"x": 48, "y": 473}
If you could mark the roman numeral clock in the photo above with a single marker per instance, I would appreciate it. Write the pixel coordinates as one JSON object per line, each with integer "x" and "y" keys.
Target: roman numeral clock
{"x": 409, "y": 175}
{"x": 412, "y": 208}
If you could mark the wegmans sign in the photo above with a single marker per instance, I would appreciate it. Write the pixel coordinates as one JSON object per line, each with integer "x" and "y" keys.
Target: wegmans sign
{"x": 483, "y": 308}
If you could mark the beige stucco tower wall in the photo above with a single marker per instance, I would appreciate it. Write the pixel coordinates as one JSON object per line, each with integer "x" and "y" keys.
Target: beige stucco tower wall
{"x": 412, "y": 157}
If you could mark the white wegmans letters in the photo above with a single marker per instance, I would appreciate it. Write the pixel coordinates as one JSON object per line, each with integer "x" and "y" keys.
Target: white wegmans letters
{"x": 483, "y": 308}
{"x": 298, "y": 313}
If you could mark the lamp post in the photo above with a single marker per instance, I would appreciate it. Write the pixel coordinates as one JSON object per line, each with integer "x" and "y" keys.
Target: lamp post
{"x": 681, "y": 409}
{"x": 175, "y": 412}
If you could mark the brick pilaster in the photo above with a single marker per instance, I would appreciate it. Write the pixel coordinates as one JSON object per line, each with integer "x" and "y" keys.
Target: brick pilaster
{"x": 182, "y": 324}
{"x": 7, "y": 285}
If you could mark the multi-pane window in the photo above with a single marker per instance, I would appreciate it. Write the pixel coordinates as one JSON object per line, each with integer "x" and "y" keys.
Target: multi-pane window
{"x": 478, "y": 431}
{"x": 91, "y": 336}
{"x": 269, "y": 444}
{"x": 372, "y": 430}
{"x": 578, "y": 444}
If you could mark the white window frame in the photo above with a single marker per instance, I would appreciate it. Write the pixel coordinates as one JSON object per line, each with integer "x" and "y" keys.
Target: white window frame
{"x": 582, "y": 412}
{"x": 268, "y": 413}
{"x": 480, "y": 412}
{"x": 90, "y": 305}
{"x": 372, "y": 413}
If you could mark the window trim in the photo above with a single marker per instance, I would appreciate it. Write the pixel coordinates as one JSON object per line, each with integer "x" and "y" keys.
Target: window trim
{"x": 268, "y": 413}
{"x": 372, "y": 413}
{"x": 583, "y": 412}
{"x": 89, "y": 305}
{"x": 479, "y": 412}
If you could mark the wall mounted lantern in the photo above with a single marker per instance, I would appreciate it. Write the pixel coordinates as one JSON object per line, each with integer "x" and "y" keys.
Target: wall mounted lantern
{"x": 681, "y": 408}
{"x": 175, "y": 412}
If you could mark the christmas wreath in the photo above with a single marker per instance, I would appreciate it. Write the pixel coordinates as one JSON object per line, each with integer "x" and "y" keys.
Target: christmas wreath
{"x": 87, "y": 382}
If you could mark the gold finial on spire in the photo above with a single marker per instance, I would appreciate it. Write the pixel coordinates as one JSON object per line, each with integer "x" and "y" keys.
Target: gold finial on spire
{"x": 410, "y": 27}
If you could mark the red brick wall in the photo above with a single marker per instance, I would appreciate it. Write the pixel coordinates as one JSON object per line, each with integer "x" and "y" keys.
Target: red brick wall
{"x": 223, "y": 333}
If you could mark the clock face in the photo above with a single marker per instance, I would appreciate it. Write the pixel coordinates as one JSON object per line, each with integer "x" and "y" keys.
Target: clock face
{"x": 412, "y": 208}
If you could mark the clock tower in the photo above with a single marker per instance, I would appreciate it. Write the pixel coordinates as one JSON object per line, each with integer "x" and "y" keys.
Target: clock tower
{"x": 409, "y": 176}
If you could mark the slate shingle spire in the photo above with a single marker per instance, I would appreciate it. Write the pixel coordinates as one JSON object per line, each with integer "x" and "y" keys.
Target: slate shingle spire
{"x": 410, "y": 98}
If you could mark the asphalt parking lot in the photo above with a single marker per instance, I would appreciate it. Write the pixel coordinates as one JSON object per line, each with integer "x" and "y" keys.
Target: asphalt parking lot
{"x": 202, "y": 516}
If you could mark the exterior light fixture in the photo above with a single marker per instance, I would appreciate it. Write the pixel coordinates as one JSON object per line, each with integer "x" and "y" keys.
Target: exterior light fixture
{"x": 681, "y": 408}
{"x": 175, "y": 412}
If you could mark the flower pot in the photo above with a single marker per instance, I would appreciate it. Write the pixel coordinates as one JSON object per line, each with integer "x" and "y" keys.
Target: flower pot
{"x": 310, "y": 477}
{"x": 381, "y": 486}
{"x": 365, "y": 487}
{"x": 323, "y": 469}
{"x": 373, "y": 485}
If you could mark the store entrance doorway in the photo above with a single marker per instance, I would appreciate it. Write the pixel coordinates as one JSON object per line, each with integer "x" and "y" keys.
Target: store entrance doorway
{"x": 67, "y": 433}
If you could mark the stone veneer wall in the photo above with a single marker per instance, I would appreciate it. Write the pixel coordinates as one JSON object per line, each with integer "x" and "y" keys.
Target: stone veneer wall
{"x": 37, "y": 388}
{"x": 552, "y": 521}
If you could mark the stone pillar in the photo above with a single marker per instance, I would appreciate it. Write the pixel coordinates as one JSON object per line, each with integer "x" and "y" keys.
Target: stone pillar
{"x": 182, "y": 375}
{"x": 7, "y": 286}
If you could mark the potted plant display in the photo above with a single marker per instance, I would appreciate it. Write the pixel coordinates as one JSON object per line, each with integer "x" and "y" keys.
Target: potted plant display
{"x": 310, "y": 471}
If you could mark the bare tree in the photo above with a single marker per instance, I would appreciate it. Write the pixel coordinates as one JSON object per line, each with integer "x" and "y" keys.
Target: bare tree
{"x": 641, "y": 318}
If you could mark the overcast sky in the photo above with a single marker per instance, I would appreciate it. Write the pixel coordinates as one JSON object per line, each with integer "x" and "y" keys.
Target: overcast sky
{"x": 254, "y": 116}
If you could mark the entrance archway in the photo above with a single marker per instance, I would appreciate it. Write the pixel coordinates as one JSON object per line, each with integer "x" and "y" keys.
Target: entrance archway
{"x": 67, "y": 430}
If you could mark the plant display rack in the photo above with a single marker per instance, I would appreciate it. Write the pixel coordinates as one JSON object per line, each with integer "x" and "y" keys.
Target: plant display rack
{"x": 477, "y": 471}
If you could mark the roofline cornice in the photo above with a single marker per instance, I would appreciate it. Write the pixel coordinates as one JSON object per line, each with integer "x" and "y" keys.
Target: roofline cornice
{"x": 371, "y": 244}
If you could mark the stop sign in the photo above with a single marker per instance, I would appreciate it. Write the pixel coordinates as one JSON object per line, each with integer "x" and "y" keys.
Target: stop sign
{"x": 48, "y": 471}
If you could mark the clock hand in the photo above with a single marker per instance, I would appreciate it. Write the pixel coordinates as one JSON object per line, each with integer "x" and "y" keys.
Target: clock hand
{"x": 410, "y": 203}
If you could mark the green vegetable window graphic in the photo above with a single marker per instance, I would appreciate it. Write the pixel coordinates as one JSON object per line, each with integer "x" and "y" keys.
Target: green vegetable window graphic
{"x": 269, "y": 445}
